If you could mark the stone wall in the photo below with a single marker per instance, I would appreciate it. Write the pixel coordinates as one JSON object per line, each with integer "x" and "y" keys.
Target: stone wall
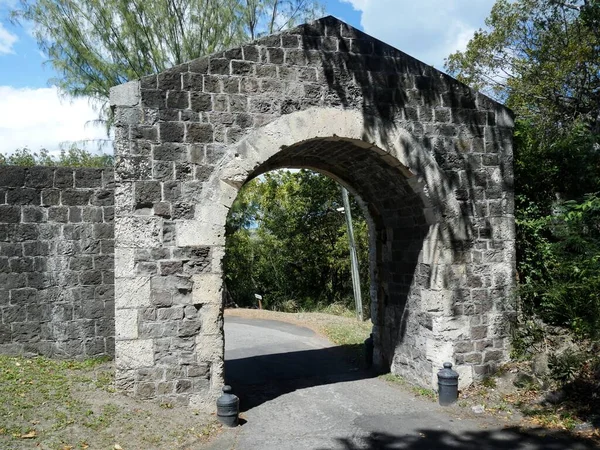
{"x": 56, "y": 261}
{"x": 430, "y": 160}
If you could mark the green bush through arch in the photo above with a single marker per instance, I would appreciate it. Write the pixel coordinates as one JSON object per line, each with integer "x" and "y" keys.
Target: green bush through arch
{"x": 287, "y": 240}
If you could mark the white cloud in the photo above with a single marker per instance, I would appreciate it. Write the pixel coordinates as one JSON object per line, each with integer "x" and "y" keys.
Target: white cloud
{"x": 38, "y": 118}
{"x": 429, "y": 30}
{"x": 7, "y": 40}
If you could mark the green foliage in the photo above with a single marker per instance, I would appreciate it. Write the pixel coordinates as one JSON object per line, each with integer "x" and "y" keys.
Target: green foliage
{"x": 287, "y": 241}
{"x": 542, "y": 58}
{"x": 489, "y": 382}
{"x": 564, "y": 167}
{"x": 566, "y": 366}
{"x": 348, "y": 333}
{"x": 527, "y": 336}
{"x": 560, "y": 265}
{"x": 71, "y": 157}
{"x": 95, "y": 44}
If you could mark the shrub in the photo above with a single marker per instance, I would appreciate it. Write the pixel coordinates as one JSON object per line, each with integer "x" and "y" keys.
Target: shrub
{"x": 70, "y": 157}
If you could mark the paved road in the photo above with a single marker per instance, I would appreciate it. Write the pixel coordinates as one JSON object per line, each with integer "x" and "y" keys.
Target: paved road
{"x": 298, "y": 392}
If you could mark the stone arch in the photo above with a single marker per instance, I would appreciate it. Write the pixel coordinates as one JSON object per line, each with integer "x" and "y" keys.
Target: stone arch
{"x": 405, "y": 224}
{"x": 188, "y": 138}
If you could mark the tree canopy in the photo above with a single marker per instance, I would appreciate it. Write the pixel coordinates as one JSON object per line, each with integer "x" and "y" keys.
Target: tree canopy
{"x": 542, "y": 57}
{"x": 96, "y": 44}
{"x": 72, "y": 156}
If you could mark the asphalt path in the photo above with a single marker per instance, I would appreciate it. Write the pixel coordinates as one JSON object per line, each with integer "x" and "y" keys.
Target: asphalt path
{"x": 299, "y": 391}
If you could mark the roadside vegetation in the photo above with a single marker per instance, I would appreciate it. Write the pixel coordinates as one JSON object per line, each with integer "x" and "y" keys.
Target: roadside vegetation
{"x": 287, "y": 241}
{"x": 542, "y": 59}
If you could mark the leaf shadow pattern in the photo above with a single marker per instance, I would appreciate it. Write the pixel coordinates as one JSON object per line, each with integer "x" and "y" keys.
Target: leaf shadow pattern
{"x": 506, "y": 439}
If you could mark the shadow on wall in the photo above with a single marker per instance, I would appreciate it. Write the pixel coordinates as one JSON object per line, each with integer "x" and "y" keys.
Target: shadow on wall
{"x": 259, "y": 379}
{"x": 446, "y": 118}
{"x": 448, "y": 123}
{"x": 506, "y": 439}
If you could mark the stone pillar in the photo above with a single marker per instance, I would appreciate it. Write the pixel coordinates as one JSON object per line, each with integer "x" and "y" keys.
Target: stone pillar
{"x": 165, "y": 290}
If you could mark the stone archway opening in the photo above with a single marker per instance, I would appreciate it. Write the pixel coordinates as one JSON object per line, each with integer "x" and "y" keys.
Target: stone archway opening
{"x": 394, "y": 210}
{"x": 397, "y": 227}
{"x": 287, "y": 245}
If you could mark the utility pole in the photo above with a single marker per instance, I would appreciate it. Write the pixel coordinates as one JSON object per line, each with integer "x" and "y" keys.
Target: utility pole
{"x": 353, "y": 258}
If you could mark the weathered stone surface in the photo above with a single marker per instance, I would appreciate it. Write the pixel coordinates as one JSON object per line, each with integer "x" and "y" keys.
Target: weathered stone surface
{"x": 56, "y": 261}
{"x": 137, "y": 232}
{"x": 132, "y": 292}
{"x": 134, "y": 354}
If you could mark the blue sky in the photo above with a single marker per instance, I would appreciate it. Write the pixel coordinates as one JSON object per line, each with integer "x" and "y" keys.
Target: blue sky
{"x": 31, "y": 113}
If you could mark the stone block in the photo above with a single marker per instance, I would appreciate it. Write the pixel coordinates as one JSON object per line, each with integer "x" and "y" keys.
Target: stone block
{"x": 26, "y": 332}
{"x": 207, "y": 288}
{"x": 191, "y": 233}
{"x": 198, "y": 370}
{"x": 218, "y": 66}
{"x": 24, "y": 264}
{"x": 39, "y": 177}
{"x": 10, "y": 214}
{"x": 9, "y": 249}
{"x": 129, "y": 167}
{"x": 132, "y": 292}
{"x": 76, "y": 197}
{"x": 34, "y": 214}
{"x": 91, "y": 214}
{"x": 134, "y": 354}
{"x": 171, "y": 132}
{"x": 11, "y": 176}
{"x": 145, "y": 390}
{"x": 170, "y": 267}
{"x": 75, "y": 214}
{"x": 90, "y": 278}
{"x": 23, "y": 196}
{"x": 189, "y": 328}
{"x": 127, "y": 94}
{"x": 103, "y": 197}
{"x": 170, "y": 313}
{"x": 199, "y": 133}
{"x": 39, "y": 248}
{"x": 245, "y": 68}
{"x": 88, "y": 178}
{"x": 200, "y": 102}
{"x": 147, "y": 193}
{"x": 168, "y": 151}
{"x": 138, "y": 232}
{"x": 183, "y": 386}
{"x": 178, "y": 99}
{"x": 126, "y": 324}
{"x": 14, "y": 313}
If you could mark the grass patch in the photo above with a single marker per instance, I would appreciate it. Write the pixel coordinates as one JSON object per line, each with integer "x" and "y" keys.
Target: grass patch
{"x": 348, "y": 333}
{"x": 53, "y": 404}
{"x": 338, "y": 309}
{"x": 28, "y": 384}
{"x": 351, "y": 335}
{"x": 416, "y": 390}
